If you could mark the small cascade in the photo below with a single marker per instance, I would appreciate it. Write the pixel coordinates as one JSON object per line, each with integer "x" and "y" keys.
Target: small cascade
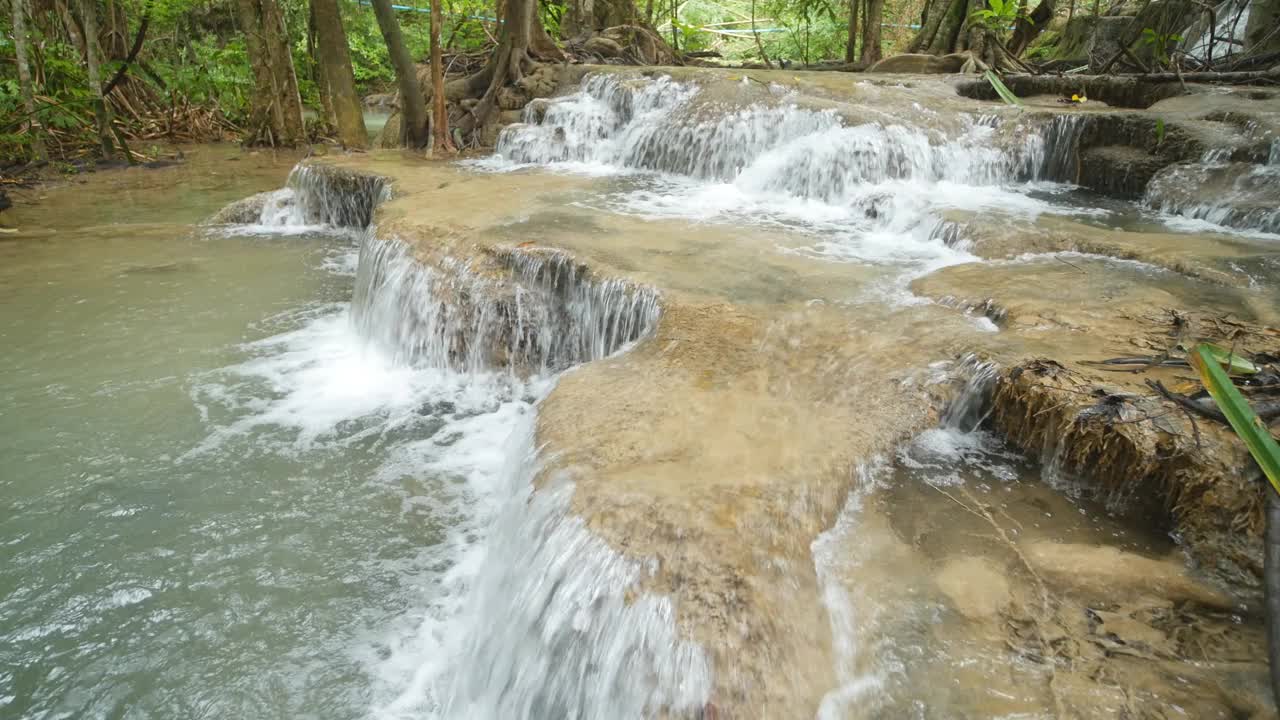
{"x": 659, "y": 125}
{"x": 544, "y": 314}
{"x": 566, "y": 631}
{"x": 1053, "y": 152}
{"x": 327, "y": 195}
{"x": 319, "y": 196}
{"x": 967, "y": 411}
{"x": 1242, "y": 196}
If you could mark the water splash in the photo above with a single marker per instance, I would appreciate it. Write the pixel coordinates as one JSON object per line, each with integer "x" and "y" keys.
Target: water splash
{"x": 554, "y": 626}
{"x": 871, "y": 190}
{"x": 545, "y": 313}
{"x": 1225, "y": 195}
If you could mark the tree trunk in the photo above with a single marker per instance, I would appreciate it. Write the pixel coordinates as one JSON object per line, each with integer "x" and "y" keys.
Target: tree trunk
{"x": 24, "y": 78}
{"x": 317, "y": 73}
{"x": 276, "y": 105}
{"x": 522, "y": 39}
{"x": 1028, "y": 28}
{"x": 265, "y": 116}
{"x": 287, "y": 97}
{"x": 872, "y": 50}
{"x": 579, "y": 19}
{"x": 101, "y": 113}
{"x": 951, "y": 29}
{"x": 440, "y": 140}
{"x": 851, "y": 45}
{"x": 413, "y": 108}
{"x": 335, "y": 62}
{"x": 938, "y": 27}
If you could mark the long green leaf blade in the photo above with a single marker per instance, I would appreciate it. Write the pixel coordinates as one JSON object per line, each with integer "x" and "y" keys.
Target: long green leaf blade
{"x": 1002, "y": 90}
{"x": 1251, "y": 430}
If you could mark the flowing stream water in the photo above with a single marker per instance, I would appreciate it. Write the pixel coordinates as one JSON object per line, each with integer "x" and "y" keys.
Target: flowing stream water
{"x": 286, "y": 470}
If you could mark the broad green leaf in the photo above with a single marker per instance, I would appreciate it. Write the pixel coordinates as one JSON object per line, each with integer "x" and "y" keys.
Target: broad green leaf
{"x": 1251, "y": 430}
{"x": 1235, "y": 363}
{"x": 1002, "y": 90}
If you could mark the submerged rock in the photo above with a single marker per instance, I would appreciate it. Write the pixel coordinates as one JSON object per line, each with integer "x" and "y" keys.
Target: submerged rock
{"x": 1102, "y": 574}
{"x": 243, "y": 212}
{"x": 975, "y": 587}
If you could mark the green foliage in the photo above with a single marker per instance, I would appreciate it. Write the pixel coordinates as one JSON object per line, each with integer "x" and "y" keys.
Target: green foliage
{"x": 1002, "y": 90}
{"x": 997, "y": 16}
{"x": 1251, "y": 430}
{"x": 209, "y": 72}
{"x": 1160, "y": 44}
{"x": 1159, "y": 132}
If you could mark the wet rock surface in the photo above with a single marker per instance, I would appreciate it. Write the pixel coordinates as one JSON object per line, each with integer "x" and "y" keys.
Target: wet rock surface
{"x": 717, "y": 453}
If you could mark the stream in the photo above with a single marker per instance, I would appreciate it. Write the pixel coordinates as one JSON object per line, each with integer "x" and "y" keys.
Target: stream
{"x": 301, "y": 468}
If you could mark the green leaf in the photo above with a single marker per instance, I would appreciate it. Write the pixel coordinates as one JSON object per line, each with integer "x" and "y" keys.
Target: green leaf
{"x": 1002, "y": 90}
{"x": 1233, "y": 362}
{"x": 1251, "y": 430}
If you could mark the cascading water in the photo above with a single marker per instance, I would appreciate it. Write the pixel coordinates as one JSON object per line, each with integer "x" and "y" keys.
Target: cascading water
{"x": 872, "y": 189}
{"x": 1218, "y": 192}
{"x": 552, "y": 625}
{"x": 544, "y": 315}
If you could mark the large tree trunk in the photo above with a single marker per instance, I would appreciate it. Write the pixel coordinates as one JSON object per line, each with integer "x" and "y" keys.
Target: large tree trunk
{"x": 944, "y": 29}
{"x": 440, "y": 140}
{"x": 101, "y": 113}
{"x": 276, "y": 40}
{"x": 579, "y": 19}
{"x": 276, "y": 104}
{"x": 522, "y": 40}
{"x": 24, "y": 78}
{"x": 1028, "y": 28}
{"x": 851, "y": 45}
{"x": 265, "y": 119}
{"x": 335, "y": 61}
{"x": 872, "y": 49}
{"x": 413, "y": 108}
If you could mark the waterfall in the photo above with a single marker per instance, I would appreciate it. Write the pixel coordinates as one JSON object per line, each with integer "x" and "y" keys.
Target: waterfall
{"x": 1241, "y": 196}
{"x": 870, "y": 182}
{"x": 663, "y": 126}
{"x": 970, "y": 407}
{"x": 321, "y": 196}
{"x": 544, "y": 314}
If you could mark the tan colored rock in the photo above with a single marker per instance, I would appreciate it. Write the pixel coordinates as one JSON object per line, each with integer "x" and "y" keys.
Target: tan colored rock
{"x": 974, "y": 586}
{"x": 1096, "y": 572}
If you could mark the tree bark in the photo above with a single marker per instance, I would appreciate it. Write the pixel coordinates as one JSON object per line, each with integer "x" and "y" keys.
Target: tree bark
{"x": 413, "y": 108}
{"x": 872, "y": 50}
{"x": 579, "y": 19}
{"x": 276, "y": 104}
{"x": 1028, "y": 28}
{"x": 851, "y": 45}
{"x": 440, "y": 140}
{"x": 24, "y": 78}
{"x": 101, "y": 113}
{"x": 521, "y": 40}
{"x": 287, "y": 97}
{"x": 335, "y": 61}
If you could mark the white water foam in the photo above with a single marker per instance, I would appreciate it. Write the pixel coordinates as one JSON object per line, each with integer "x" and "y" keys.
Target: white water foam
{"x": 869, "y": 192}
